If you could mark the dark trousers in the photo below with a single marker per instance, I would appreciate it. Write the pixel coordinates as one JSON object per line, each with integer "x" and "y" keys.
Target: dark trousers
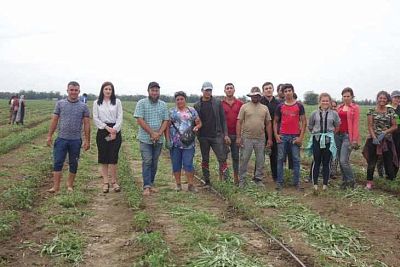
{"x": 217, "y": 145}
{"x": 373, "y": 158}
{"x": 234, "y": 154}
{"x": 321, "y": 156}
{"x": 396, "y": 141}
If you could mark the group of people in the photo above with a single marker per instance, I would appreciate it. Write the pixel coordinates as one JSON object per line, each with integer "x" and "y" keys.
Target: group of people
{"x": 17, "y": 109}
{"x": 270, "y": 126}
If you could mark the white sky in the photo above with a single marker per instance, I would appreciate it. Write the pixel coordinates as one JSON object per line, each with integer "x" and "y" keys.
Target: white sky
{"x": 315, "y": 45}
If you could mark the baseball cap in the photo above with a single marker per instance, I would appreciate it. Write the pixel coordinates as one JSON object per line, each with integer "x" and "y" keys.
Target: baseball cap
{"x": 395, "y": 93}
{"x": 207, "y": 86}
{"x": 153, "y": 84}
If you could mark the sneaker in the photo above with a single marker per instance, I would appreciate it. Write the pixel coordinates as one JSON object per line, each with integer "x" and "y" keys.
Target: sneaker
{"x": 324, "y": 187}
{"x": 315, "y": 187}
{"x": 241, "y": 184}
{"x": 299, "y": 187}
{"x": 259, "y": 183}
{"x": 206, "y": 185}
{"x": 369, "y": 185}
{"x": 146, "y": 192}
{"x": 343, "y": 185}
{"x": 278, "y": 187}
{"x": 192, "y": 189}
{"x": 351, "y": 184}
{"x": 178, "y": 188}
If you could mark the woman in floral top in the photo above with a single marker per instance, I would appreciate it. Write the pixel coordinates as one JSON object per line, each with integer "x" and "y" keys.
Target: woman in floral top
{"x": 182, "y": 117}
{"x": 381, "y": 125}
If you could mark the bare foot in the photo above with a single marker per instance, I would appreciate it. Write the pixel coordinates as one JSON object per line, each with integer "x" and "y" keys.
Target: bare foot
{"x": 52, "y": 190}
{"x": 146, "y": 192}
{"x": 153, "y": 190}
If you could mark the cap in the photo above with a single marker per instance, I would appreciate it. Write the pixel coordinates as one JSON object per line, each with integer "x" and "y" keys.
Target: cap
{"x": 153, "y": 84}
{"x": 395, "y": 93}
{"x": 207, "y": 86}
{"x": 255, "y": 91}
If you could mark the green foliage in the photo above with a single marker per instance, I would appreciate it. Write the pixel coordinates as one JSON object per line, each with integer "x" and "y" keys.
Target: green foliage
{"x": 226, "y": 252}
{"x": 157, "y": 251}
{"x": 71, "y": 199}
{"x": 8, "y": 220}
{"x": 141, "y": 220}
{"x": 67, "y": 244}
{"x": 310, "y": 98}
{"x": 332, "y": 240}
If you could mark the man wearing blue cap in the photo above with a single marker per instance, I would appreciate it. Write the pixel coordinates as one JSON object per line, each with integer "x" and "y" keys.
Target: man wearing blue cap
{"x": 214, "y": 132}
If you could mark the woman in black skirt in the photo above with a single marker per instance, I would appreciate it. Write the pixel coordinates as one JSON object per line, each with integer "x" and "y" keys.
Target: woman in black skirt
{"x": 107, "y": 116}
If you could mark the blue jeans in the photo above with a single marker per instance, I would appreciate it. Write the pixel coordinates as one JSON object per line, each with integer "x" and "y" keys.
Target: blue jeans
{"x": 284, "y": 148}
{"x": 61, "y": 148}
{"x": 150, "y": 154}
{"x": 182, "y": 157}
{"x": 343, "y": 154}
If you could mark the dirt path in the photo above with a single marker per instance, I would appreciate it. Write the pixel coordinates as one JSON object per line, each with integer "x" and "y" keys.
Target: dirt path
{"x": 109, "y": 231}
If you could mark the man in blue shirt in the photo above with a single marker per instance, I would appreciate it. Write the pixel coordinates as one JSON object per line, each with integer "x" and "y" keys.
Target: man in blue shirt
{"x": 69, "y": 114}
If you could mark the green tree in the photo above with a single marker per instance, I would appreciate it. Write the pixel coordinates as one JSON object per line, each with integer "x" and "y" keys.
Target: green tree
{"x": 310, "y": 98}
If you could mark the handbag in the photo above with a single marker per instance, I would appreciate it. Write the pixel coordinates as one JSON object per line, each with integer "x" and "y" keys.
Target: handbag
{"x": 188, "y": 136}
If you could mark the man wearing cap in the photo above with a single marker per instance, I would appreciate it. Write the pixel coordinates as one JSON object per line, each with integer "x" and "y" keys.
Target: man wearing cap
{"x": 152, "y": 116}
{"x": 396, "y": 134}
{"x": 231, "y": 107}
{"x": 253, "y": 121}
{"x": 213, "y": 133}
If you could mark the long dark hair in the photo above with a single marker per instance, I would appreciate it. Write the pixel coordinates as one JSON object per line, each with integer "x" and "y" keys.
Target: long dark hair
{"x": 101, "y": 95}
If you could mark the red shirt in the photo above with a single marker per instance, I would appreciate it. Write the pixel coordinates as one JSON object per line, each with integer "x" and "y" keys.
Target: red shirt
{"x": 344, "y": 127}
{"x": 289, "y": 117}
{"x": 231, "y": 114}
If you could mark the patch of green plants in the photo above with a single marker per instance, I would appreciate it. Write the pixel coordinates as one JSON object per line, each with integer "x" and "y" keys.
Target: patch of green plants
{"x": 141, "y": 220}
{"x": 13, "y": 141}
{"x": 8, "y": 220}
{"x": 226, "y": 252}
{"x": 157, "y": 251}
{"x": 359, "y": 194}
{"x": 67, "y": 244}
{"x": 20, "y": 196}
{"x": 69, "y": 216}
{"x": 71, "y": 199}
{"x": 332, "y": 240}
{"x": 266, "y": 199}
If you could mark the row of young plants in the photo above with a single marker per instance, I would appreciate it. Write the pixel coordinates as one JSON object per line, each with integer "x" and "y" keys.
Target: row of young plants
{"x": 155, "y": 251}
{"x": 65, "y": 213}
{"x": 21, "y": 195}
{"x": 331, "y": 246}
{"x": 6, "y": 131}
{"x": 15, "y": 140}
{"x": 212, "y": 247}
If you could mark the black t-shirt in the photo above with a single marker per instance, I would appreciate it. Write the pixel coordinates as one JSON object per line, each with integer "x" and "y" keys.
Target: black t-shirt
{"x": 208, "y": 128}
{"x": 270, "y": 104}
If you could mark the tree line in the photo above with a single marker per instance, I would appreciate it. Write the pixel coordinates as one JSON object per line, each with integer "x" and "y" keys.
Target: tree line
{"x": 310, "y": 98}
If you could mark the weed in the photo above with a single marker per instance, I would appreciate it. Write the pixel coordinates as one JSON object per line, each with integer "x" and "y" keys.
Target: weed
{"x": 141, "y": 221}
{"x": 332, "y": 240}
{"x": 157, "y": 251}
{"x": 67, "y": 244}
{"x": 227, "y": 252}
{"x": 8, "y": 220}
{"x": 71, "y": 199}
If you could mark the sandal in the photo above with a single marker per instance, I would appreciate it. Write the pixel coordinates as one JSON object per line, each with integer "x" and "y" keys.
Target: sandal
{"x": 106, "y": 187}
{"x": 116, "y": 187}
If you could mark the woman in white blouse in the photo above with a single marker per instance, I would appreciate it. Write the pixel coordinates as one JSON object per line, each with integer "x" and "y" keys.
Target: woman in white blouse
{"x": 107, "y": 116}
